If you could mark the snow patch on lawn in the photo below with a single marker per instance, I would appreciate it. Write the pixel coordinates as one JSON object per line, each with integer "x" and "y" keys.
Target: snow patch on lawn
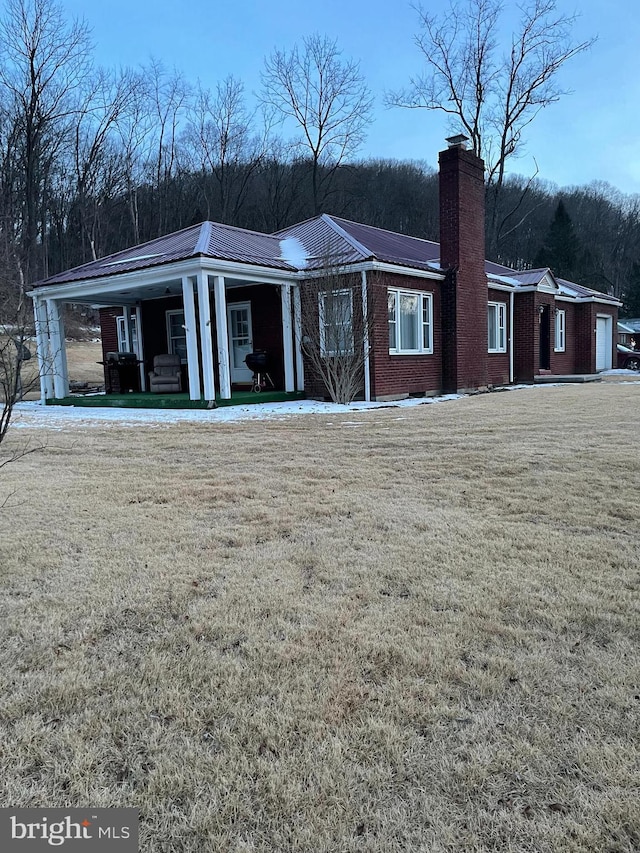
{"x": 31, "y": 414}
{"x": 34, "y": 414}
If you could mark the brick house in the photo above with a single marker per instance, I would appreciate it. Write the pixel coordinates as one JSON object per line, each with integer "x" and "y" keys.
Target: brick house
{"x": 435, "y": 317}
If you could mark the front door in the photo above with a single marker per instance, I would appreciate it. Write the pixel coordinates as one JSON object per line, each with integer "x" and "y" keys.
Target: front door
{"x": 240, "y": 340}
{"x": 545, "y": 338}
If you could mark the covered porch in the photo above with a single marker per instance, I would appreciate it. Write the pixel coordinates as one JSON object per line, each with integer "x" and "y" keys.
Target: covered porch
{"x": 209, "y": 314}
{"x": 146, "y": 400}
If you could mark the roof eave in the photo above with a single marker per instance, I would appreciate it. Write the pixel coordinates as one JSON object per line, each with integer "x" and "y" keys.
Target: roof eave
{"x": 149, "y": 276}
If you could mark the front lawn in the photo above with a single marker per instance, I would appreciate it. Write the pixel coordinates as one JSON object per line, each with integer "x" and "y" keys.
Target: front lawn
{"x": 397, "y": 630}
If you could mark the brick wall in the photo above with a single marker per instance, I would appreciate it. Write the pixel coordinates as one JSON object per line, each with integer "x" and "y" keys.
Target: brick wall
{"x": 109, "y": 330}
{"x": 402, "y": 374}
{"x": 310, "y": 291}
{"x": 585, "y": 344}
{"x": 525, "y": 326}
{"x": 498, "y": 362}
{"x": 462, "y": 250}
{"x": 109, "y": 335}
{"x": 580, "y": 337}
{"x": 564, "y": 363}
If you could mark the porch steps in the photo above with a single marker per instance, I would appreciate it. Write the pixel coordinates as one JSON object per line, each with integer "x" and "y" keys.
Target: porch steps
{"x": 575, "y": 378}
{"x": 171, "y": 401}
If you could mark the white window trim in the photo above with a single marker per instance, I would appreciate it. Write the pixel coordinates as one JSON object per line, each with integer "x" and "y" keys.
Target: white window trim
{"x": 560, "y": 341}
{"x": 324, "y": 352}
{"x": 501, "y": 325}
{"x": 169, "y": 314}
{"x": 425, "y": 298}
{"x": 121, "y": 335}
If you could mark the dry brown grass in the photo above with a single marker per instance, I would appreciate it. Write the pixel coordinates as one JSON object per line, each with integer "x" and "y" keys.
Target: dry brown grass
{"x": 82, "y": 363}
{"x": 405, "y": 630}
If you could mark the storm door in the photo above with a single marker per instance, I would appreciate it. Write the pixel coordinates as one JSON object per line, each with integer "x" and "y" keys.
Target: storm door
{"x": 240, "y": 340}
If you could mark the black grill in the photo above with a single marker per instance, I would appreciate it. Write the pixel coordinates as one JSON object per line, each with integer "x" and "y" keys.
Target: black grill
{"x": 260, "y": 363}
{"x": 121, "y": 373}
{"x": 122, "y": 358}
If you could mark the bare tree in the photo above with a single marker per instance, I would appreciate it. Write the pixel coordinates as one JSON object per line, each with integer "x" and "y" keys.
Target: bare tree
{"x": 167, "y": 98}
{"x": 223, "y": 141}
{"x": 43, "y": 65}
{"x": 16, "y": 348}
{"x": 96, "y": 170}
{"x": 328, "y": 100}
{"x": 490, "y": 96}
{"x": 336, "y": 329}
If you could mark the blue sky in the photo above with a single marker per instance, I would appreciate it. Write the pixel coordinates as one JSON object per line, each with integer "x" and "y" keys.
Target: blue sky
{"x": 592, "y": 134}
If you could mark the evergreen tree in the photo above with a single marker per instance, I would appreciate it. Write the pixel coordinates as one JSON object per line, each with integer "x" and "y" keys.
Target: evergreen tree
{"x": 561, "y": 248}
{"x": 631, "y": 297}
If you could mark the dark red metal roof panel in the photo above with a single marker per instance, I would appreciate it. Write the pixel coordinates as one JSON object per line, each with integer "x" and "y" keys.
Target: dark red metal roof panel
{"x": 342, "y": 242}
{"x": 208, "y": 239}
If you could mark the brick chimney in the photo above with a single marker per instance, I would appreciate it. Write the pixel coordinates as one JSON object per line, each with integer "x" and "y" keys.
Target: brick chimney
{"x": 462, "y": 254}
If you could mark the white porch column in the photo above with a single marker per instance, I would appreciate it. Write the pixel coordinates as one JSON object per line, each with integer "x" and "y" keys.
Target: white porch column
{"x": 140, "y": 348}
{"x": 297, "y": 324}
{"x": 42, "y": 350}
{"x": 206, "y": 343}
{"x": 287, "y": 337}
{"x": 223, "y": 336}
{"x": 58, "y": 352}
{"x": 193, "y": 362}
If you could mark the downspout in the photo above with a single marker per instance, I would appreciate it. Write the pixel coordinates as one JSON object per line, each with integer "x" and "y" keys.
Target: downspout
{"x": 365, "y": 339}
{"x": 511, "y": 302}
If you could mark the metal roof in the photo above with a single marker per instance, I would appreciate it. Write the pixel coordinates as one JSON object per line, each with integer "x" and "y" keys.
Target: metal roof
{"x": 528, "y": 278}
{"x": 313, "y": 244}
{"x": 208, "y": 239}
{"x": 342, "y": 242}
{"x": 570, "y": 288}
{"x": 633, "y": 324}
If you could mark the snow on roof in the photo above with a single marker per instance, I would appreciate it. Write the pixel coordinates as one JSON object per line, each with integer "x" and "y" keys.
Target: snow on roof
{"x": 208, "y": 239}
{"x": 528, "y": 278}
{"x": 633, "y": 324}
{"x": 333, "y": 240}
{"x": 570, "y": 288}
{"x": 314, "y": 244}
{"x": 293, "y": 252}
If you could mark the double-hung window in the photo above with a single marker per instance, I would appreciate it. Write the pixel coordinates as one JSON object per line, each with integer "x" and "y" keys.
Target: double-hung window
{"x": 497, "y": 317}
{"x": 410, "y": 316}
{"x": 561, "y": 326}
{"x": 335, "y": 311}
{"x": 122, "y": 337}
{"x": 176, "y": 334}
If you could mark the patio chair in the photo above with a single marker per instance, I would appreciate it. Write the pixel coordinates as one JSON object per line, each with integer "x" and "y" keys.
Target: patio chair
{"x": 166, "y": 376}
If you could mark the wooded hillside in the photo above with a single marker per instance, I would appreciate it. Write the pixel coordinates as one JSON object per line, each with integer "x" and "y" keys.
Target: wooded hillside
{"x": 93, "y": 160}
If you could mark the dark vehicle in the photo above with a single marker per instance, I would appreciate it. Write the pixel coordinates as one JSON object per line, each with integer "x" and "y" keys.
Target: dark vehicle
{"x": 629, "y": 359}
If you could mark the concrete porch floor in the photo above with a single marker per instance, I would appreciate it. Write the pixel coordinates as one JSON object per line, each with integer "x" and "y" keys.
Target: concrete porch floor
{"x": 146, "y": 400}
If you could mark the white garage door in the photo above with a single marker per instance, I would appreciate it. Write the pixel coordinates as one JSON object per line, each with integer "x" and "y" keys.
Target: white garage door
{"x": 603, "y": 343}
